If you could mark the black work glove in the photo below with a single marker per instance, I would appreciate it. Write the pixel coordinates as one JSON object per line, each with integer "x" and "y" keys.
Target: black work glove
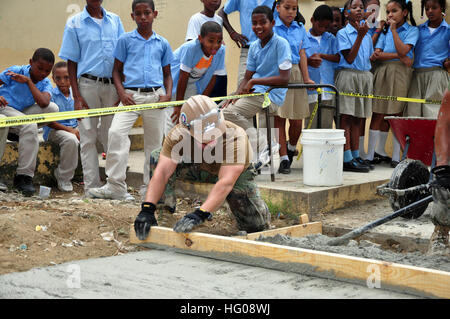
{"x": 442, "y": 177}
{"x": 185, "y": 224}
{"x": 145, "y": 220}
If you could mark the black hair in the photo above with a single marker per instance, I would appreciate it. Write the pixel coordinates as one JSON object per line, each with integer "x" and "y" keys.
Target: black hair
{"x": 341, "y": 12}
{"x": 406, "y": 5}
{"x": 442, "y": 4}
{"x": 149, "y": 2}
{"x": 264, "y": 10}
{"x": 323, "y": 12}
{"x": 60, "y": 64}
{"x": 44, "y": 54}
{"x": 349, "y": 3}
{"x": 210, "y": 27}
{"x": 299, "y": 18}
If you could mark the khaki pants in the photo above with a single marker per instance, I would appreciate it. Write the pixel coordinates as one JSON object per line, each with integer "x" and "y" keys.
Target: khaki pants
{"x": 242, "y": 112}
{"x": 119, "y": 143}
{"x": 28, "y": 136}
{"x": 242, "y": 65}
{"x": 97, "y": 95}
{"x": 3, "y": 135}
{"x": 68, "y": 155}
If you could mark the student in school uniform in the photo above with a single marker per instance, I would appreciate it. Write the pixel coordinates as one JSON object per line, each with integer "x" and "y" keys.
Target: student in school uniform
{"x": 355, "y": 48}
{"x": 88, "y": 45}
{"x": 431, "y": 61}
{"x": 295, "y": 107}
{"x": 394, "y": 51}
{"x": 142, "y": 59}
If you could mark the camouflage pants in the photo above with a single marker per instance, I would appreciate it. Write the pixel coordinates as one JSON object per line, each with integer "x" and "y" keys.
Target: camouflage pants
{"x": 246, "y": 204}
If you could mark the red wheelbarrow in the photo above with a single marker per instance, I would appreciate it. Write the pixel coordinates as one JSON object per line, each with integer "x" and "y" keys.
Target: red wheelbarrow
{"x": 409, "y": 180}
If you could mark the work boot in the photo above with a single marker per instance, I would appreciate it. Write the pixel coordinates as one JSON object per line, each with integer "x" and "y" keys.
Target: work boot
{"x": 24, "y": 184}
{"x": 439, "y": 241}
{"x": 285, "y": 167}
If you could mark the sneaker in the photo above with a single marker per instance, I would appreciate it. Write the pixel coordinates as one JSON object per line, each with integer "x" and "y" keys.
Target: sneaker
{"x": 285, "y": 167}
{"x": 63, "y": 186}
{"x": 264, "y": 157}
{"x": 3, "y": 186}
{"x": 105, "y": 192}
{"x": 354, "y": 166}
{"x": 24, "y": 184}
{"x": 291, "y": 154}
{"x": 365, "y": 163}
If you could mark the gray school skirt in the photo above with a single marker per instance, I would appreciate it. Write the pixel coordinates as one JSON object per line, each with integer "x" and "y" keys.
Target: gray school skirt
{"x": 391, "y": 78}
{"x": 295, "y": 105}
{"x": 355, "y": 81}
{"x": 430, "y": 84}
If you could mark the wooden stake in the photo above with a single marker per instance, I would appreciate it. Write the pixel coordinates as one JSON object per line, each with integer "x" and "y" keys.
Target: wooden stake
{"x": 304, "y": 219}
{"x": 291, "y": 231}
{"x": 403, "y": 278}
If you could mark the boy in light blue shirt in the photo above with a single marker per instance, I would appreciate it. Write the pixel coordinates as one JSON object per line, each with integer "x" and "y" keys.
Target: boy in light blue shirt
{"x": 142, "y": 59}
{"x": 88, "y": 45}
{"x": 269, "y": 64}
{"x": 26, "y": 90}
{"x": 247, "y": 36}
{"x": 195, "y": 67}
{"x": 65, "y": 132}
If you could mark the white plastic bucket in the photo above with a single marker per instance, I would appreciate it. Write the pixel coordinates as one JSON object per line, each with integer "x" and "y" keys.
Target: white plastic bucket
{"x": 323, "y": 157}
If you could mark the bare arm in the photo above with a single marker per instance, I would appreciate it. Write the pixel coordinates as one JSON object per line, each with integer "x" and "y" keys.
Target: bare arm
{"x": 304, "y": 68}
{"x": 168, "y": 84}
{"x": 240, "y": 39}
{"x": 442, "y": 133}
{"x": 350, "y": 55}
{"x": 41, "y": 98}
{"x": 379, "y": 55}
{"x": 402, "y": 48}
{"x": 210, "y": 86}
{"x": 164, "y": 170}
{"x": 79, "y": 102}
{"x": 228, "y": 175}
{"x": 279, "y": 80}
{"x": 331, "y": 57}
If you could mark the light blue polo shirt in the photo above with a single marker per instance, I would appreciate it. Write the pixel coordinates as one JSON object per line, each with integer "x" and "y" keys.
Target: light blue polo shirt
{"x": 346, "y": 37}
{"x": 18, "y": 94}
{"x": 296, "y": 36}
{"x": 65, "y": 104}
{"x": 407, "y": 33}
{"x": 245, "y": 8}
{"x": 432, "y": 48}
{"x": 325, "y": 73}
{"x": 267, "y": 61}
{"x": 188, "y": 56}
{"x": 143, "y": 59}
{"x": 90, "y": 45}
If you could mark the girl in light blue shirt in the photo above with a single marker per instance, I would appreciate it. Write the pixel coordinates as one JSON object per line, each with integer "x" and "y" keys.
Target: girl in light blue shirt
{"x": 431, "y": 61}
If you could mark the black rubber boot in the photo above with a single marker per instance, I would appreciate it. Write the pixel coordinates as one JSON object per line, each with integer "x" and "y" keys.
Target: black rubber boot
{"x": 24, "y": 184}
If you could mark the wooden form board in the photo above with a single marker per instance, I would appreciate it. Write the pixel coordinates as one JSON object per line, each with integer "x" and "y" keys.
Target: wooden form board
{"x": 291, "y": 231}
{"x": 402, "y": 278}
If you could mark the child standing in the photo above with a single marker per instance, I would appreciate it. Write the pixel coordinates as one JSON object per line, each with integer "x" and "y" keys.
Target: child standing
{"x": 269, "y": 64}
{"x": 323, "y": 58}
{"x": 142, "y": 59}
{"x": 337, "y": 22}
{"x": 355, "y": 48}
{"x": 431, "y": 61}
{"x": 64, "y": 133}
{"x": 27, "y": 90}
{"x": 196, "y": 66}
{"x": 392, "y": 77}
{"x": 88, "y": 46}
{"x": 295, "y": 107}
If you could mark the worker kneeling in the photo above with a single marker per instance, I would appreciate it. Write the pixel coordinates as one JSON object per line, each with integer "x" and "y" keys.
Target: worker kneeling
{"x": 204, "y": 147}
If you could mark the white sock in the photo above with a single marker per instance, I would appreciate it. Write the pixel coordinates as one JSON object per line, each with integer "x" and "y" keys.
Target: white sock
{"x": 284, "y": 157}
{"x": 382, "y": 143}
{"x": 362, "y": 152}
{"x": 290, "y": 147}
{"x": 373, "y": 140}
{"x": 396, "y": 151}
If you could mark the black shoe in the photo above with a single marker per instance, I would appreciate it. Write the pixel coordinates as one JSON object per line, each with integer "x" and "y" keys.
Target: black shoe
{"x": 24, "y": 184}
{"x": 382, "y": 158}
{"x": 354, "y": 166}
{"x": 394, "y": 164}
{"x": 13, "y": 137}
{"x": 285, "y": 167}
{"x": 365, "y": 163}
{"x": 291, "y": 154}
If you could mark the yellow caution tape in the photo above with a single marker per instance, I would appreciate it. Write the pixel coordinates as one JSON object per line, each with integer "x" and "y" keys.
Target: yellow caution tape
{"x": 59, "y": 116}
{"x": 389, "y": 98}
{"x": 311, "y": 119}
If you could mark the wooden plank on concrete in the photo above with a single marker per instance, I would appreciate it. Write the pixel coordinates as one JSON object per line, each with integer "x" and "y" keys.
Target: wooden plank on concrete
{"x": 403, "y": 278}
{"x": 292, "y": 231}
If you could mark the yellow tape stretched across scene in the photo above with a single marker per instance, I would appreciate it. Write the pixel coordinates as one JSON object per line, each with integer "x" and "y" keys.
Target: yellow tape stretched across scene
{"x": 59, "y": 116}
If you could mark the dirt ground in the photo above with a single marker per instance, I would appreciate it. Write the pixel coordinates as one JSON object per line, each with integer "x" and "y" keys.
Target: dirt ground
{"x": 67, "y": 226}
